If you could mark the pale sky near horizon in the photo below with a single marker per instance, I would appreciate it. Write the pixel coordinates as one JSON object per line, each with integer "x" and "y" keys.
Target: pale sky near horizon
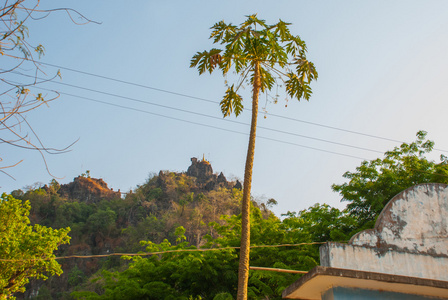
{"x": 383, "y": 71}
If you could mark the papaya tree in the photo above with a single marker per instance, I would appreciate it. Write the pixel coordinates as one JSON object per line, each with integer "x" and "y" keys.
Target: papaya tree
{"x": 264, "y": 56}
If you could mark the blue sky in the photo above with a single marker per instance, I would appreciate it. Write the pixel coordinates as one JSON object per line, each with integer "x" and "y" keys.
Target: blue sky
{"x": 383, "y": 71}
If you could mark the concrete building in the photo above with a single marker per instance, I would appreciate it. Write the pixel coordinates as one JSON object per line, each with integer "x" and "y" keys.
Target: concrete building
{"x": 405, "y": 256}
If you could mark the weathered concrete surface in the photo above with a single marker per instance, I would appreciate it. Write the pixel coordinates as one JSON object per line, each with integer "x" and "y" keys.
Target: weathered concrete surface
{"x": 416, "y": 220}
{"x": 389, "y": 261}
{"x": 319, "y": 280}
{"x": 410, "y": 237}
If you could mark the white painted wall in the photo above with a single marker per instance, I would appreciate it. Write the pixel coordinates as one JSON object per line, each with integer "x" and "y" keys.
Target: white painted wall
{"x": 409, "y": 238}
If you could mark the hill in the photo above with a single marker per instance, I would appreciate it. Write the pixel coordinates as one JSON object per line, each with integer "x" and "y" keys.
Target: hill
{"x": 104, "y": 221}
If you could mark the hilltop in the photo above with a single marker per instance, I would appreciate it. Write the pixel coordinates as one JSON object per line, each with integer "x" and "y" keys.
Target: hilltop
{"x": 104, "y": 221}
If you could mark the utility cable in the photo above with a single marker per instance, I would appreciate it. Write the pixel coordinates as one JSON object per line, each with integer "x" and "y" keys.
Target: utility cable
{"x": 216, "y": 102}
{"x": 200, "y": 114}
{"x": 130, "y": 83}
{"x": 233, "y": 131}
{"x": 193, "y": 250}
{"x": 206, "y": 125}
{"x": 229, "y": 130}
{"x": 227, "y": 120}
{"x": 210, "y": 126}
{"x": 160, "y": 252}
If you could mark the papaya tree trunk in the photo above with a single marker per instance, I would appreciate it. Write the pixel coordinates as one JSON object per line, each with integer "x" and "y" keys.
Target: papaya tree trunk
{"x": 243, "y": 269}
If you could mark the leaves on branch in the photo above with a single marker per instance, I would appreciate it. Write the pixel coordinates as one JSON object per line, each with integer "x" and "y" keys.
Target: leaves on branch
{"x": 232, "y": 102}
{"x": 375, "y": 182}
{"x": 23, "y": 246}
{"x": 222, "y": 32}
{"x": 266, "y": 79}
{"x": 205, "y": 61}
{"x": 255, "y": 42}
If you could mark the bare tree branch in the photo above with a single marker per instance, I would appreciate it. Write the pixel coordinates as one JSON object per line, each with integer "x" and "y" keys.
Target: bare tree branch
{"x": 17, "y": 96}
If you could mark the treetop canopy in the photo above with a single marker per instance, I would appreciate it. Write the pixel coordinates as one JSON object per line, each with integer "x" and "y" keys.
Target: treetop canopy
{"x": 279, "y": 55}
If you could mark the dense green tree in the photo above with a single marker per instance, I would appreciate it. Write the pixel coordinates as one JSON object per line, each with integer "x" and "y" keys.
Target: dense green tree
{"x": 26, "y": 251}
{"x": 213, "y": 274}
{"x": 76, "y": 276}
{"x": 178, "y": 275}
{"x": 270, "y": 231}
{"x": 102, "y": 221}
{"x": 376, "y": 182}
{"x": 324, "y": 223}
{"x": 72, "y": 212}
{"x": 149, "y": 228}
{"x": 262, "y": 54}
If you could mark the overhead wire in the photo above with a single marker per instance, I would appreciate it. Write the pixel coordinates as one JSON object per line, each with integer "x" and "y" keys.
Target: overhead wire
{"x": 130, "y": 83}
{"x": 205, "y": 125}
{"x": 161, "y": 252}
{"x": 232, "y": 131}
{"x": 215, "y": 102}
{"x": 199, "y": 250}
{"x": 229, "y": 130}
{"x": 200, "y": 114}
{"x": 208, "y": 116}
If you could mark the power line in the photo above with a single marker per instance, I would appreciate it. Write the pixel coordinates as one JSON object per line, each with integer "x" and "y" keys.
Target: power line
{"x": 207, "y": 125}
{"x": 160, "y": 252}
{"x": 213, "y": 117}
{"x": 201, "y": 114}
{"x": 131, "y": 83}
{"x": 339, "y": 129}
{"x": 208, "y": 116}
{"x": 197, "y": 250}
{"x": 215, "y": 102}
{"x": 222, "y": 119}
{"x": 229, "y": 130}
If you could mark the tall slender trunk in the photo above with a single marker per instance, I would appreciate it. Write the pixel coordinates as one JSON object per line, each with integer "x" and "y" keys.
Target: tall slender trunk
{"x": 243, "y": 269}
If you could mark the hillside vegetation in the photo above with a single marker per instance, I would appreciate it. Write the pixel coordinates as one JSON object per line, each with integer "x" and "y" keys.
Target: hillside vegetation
{"x": 181, "y": 216}
{"x": 105, "y": 221}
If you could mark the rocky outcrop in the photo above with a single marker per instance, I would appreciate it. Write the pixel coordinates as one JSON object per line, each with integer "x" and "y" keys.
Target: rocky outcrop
{"x": 221, "y": 179}
{"x": 89, "y": 190}
{"x": 238, "y": 185}
{"x": 201, "y": 169}
{"x": 203, "y": 172}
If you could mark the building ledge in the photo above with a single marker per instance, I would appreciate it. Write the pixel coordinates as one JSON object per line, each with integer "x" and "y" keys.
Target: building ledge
{"x": 320, "y": 279}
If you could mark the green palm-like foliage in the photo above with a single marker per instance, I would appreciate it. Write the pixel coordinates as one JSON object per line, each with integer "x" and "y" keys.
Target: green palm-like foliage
{"x": 261, "y": 54}
{"x": 281, "y": 56}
